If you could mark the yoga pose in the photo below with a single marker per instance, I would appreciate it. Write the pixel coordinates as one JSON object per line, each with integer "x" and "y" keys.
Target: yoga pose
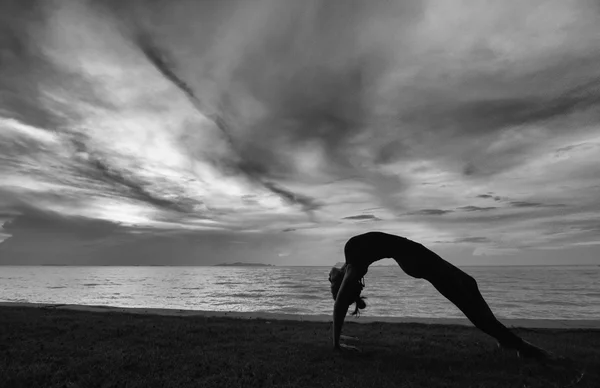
{"x": 418, "y": 262}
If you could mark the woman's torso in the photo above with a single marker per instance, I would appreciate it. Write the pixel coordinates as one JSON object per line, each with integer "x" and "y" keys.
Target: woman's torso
{"x": 415, "y": 259}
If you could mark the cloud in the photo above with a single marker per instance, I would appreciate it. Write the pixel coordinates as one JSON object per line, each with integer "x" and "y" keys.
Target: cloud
{"x": 322, "y": 117}
{"x": 476, "y": 208}
{"x": 136, "y": 187}
{"x": 53, "y": 223}
{"x": 307, "y": 203}
{"x": 489, "y": 196}
{"x": 50, "y": 238}
{"x": 40, "y": 237}
{"x": 18, "y": 55}
{"x": 579, "y": 147}
{"x": 472, "y": 240}
{"x": 533, "y": 204}
{"x": 430, "y": 212}
{"x": 363, "y": 217}
{"x": 235, "y": 118}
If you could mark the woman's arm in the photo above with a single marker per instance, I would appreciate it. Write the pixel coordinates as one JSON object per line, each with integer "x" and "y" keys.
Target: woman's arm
{"x": 342, "y": 302}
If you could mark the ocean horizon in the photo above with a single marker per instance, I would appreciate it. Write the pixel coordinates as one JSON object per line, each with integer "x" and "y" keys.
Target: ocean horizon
{"x": 513, "y": 292}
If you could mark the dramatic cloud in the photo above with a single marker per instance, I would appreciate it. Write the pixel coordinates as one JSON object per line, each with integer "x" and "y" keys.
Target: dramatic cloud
{"x": 292, "y": 125}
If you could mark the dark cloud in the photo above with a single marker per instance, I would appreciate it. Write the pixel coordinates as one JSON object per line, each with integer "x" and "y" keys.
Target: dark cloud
{"x": 54, "y": 241}
{"x": 489, "y": 196}
{"x": 307, "y": 203}
{"x": 521, "y": 204}
{"x": 32, "y": 227}
{"x": 465, "y": 240}
{"x": 587, "y": 225}
{"x": 505, "y": 113}
{"x": 476, "y": 208}
{"x": 430, "y": 212}
{"x": 15, "y": 201}
{"x": 525, "y": 204}
{"x": 581, "y": 146}
{"x": 567, "y": 227}
{"x": 363, "y": 217}
{"x": 53, "y": 223}
{"x": 44, "y": 237}
{"x": 569, "y": 148}
{"x": 157, "y": 57}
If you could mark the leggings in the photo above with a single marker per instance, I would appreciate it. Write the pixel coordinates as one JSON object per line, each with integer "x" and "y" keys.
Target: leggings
{"x": 461, "y": 289}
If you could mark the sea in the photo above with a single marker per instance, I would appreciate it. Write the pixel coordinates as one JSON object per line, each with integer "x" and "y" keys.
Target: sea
{"x": 536, "y": 292}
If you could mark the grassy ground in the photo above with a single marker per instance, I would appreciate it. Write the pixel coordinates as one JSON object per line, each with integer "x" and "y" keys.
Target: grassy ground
{"x": 59, "y": 348}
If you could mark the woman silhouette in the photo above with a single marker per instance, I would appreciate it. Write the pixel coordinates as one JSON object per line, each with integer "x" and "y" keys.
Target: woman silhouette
{"x": 418, "y": 262}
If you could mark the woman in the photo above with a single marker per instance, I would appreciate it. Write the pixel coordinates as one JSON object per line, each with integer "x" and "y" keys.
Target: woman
{"x": 421, "y": 263}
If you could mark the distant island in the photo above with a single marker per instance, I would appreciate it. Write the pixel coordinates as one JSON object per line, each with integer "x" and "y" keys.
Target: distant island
{"x": 238, "y": 264}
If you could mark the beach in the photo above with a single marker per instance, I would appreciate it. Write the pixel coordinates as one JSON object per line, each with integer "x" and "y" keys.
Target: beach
{"x": 53, "y": 345}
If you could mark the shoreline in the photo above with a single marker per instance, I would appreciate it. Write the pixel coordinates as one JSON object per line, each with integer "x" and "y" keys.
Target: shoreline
{"x": 514, "y": 323}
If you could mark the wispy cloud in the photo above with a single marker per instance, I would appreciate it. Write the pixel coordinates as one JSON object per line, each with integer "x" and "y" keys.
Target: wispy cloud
{"x": 363, "y": 217}
{"x": 472, "y": 240}
{"x": 476, "y": 208}
{"x": 533, "y": 204}
{"x": 488, "y": 196}
{"x": 430, "y": 212}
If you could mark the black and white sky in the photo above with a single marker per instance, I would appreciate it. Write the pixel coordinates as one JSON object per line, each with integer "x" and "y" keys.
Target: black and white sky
{"x": 198, "y": 132}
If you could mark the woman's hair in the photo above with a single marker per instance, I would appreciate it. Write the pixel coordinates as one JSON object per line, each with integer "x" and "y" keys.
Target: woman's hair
{"x": 336, "y": 276}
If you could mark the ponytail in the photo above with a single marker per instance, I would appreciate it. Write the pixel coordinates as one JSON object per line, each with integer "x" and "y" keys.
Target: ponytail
{"x": 360, "y": 303}
{"x": 336, "y": 276}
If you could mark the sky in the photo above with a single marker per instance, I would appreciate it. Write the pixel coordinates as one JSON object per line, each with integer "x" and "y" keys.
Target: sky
{"x": 199, "y": 132}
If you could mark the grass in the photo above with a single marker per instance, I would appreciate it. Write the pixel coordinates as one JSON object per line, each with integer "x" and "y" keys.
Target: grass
{"x": 60, "y": 348}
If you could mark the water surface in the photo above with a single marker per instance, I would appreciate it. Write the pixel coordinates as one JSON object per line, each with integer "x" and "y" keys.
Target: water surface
{"x": 512, "y": 292}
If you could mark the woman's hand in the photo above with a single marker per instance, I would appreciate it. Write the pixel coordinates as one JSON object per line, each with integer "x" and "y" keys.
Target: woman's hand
{"x": 343, "y": 301}
{"x": 347, "y": 348}
{"x": 350, "y": 348}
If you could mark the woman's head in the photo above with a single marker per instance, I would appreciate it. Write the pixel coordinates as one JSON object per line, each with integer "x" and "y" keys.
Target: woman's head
{"x": 336, "y": 276}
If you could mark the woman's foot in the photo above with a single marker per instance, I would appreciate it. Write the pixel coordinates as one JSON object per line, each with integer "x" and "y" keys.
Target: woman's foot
{"x": 528, "y": 350}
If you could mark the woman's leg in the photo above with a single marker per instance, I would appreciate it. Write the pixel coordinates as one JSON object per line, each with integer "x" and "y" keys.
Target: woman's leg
{"x": 461, "y": 289}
